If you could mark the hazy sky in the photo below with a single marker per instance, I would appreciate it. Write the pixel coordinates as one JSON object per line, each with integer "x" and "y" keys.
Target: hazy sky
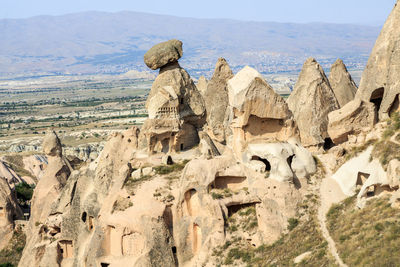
{"x": 337, "y": 11}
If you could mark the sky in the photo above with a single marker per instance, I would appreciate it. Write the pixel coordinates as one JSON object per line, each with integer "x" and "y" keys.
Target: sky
{"x": 369, "y": 12}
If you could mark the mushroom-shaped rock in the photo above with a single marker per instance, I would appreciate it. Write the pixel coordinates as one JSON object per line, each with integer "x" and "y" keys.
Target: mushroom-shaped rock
{"x": 163, "y": 53}
{"x": 311, "y": 101}
{"x": 380, "y": 81}
{"x": 176, "y": 112}
{"x": 258, "y": 112}
{"x": 342, "y": 84}
{"x": 216, "y": 100}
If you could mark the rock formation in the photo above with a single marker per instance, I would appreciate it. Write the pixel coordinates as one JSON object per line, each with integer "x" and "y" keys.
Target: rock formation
{"x": 9, "y": 211}
{"x": 216, "y": 101}
{"x": 175, "y": 106}
{"x": 163, "y": 53}
{"x": 353, "y": 118}
{"x": 258, "y": 113}
{"x": 202, "y": 84}
{"x": 380, "y": 82}
{"x": 311, "y": 101}
{"x": 342, "y": 84}
{"x": 200, "y": 216}
{"x": 47, "y": 191}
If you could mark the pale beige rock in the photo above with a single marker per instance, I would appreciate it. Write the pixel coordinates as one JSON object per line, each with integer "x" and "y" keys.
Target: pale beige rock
{"x": 87, "y": 228}
{"x": 311, "y": 101}
{"x": 163, "y": 53}
{"x": 352, "y": 119}
{"x": 258, "y": 112}
{"x": 202, "y": 84}
{"x": 199, "y": 219}
{"x": 46, "y": 192}
{"x": 216, "y": 101}
{"x": 176, "y": 110}
{"x": 342, "y": 84}
{"x": 9, "y": 211}
{"x": 380, "y": 80}
{"x": 207, "y": 146}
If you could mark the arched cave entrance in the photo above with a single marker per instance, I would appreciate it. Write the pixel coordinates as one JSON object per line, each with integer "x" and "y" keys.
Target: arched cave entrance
{"x": 377, "y": 97}
{"x": 265, "y": 161}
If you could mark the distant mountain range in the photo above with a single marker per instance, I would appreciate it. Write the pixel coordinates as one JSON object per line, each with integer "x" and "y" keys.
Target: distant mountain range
{"x": 98, "y": 42}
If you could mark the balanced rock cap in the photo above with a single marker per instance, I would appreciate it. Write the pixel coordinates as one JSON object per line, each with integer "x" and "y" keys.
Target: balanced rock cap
{"x": 163, "y": 53}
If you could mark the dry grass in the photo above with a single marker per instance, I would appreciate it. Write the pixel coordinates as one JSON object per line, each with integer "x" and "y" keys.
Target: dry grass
{"x": 367, "y": 237}
{"x": 12, "y": 253}
{"x": 304, "y": 236}
{"x": 385, "y": 151}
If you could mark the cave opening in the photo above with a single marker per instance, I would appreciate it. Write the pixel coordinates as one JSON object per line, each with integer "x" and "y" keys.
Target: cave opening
{"x": 84, "y": 215}
{"x": 328, "y": 143}
{"x": 232, "y": 209}
{"x": 265, "y": 161}
{"x": 377, "y": 97}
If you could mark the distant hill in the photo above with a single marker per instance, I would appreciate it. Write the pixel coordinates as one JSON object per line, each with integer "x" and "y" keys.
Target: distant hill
{"x": 98, "y": 42}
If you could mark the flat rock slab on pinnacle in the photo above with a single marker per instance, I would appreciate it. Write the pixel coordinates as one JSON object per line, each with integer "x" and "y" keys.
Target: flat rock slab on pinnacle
{"x": 163, "y": 53}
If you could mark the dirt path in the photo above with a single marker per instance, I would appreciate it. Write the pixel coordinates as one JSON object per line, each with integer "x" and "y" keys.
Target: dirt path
{"x": 330, "y": 193}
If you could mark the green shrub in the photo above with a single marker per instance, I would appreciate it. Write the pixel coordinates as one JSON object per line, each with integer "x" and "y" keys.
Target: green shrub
{"x": 24, "y": 191}
{"x": 293, "y": 222}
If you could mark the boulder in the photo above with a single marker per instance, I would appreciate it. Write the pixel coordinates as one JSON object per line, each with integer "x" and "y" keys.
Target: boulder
{"x": 380, "y": 81}
{"x": 352, "y": 119}
{"x": 163, "y": 53}
{"x": 311, "y": 101}
{"x": 216, "y": 100}
{"x": 342, "y": 84}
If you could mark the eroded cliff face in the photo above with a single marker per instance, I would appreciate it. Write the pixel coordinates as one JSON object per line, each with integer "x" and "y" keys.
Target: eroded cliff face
{"x": 197, "y": 178}
{"x": 9, "y": 211}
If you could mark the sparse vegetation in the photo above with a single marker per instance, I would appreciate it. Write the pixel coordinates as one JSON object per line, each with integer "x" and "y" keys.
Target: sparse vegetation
{"x": 122, "y": 204}
{"x": 12, "y": 253}
{"x": 366, "y": 237}
{"x": 293, "y": 222}
{"x": 166, "y": 169}
{"x": 131, "y": 184}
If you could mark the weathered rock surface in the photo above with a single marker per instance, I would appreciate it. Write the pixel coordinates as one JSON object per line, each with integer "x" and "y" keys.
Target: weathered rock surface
{"x": 163, "y": 53}
{"x": 96, "y": 221}
{"x": 46, "y": 193}
{"x": 9, "y": 211}
{"x": 259, "y": 114}
{"x": 176, "y": 111}
{"x": 216, "y": 101}
{"x": 380, "y": 82}
{"x": 311, "y": 101}
{"x": 366, "y": 175}
{"x": 355, "y": 117}
{"x": 199, "y": 218}
{"x": 202, "y": 84}
{"x": 342, "y": 84}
